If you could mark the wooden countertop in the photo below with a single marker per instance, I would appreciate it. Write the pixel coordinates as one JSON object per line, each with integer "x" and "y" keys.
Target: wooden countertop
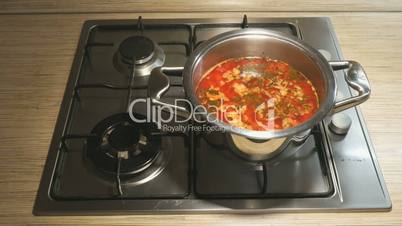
{"x": 121, "y": 6}
{"x": 36, "y": 53}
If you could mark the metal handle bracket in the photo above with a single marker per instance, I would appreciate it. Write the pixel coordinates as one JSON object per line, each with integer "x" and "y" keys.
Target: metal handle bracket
{"x": 158, "y": 84}
{"x": 357, "y": 79}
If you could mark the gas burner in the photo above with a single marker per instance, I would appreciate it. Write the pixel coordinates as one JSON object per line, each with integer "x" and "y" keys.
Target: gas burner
{"x": 119, "y": 138}
{"x": 139, "y": 52}
{"x": 263, "y": 150}
{"x": 138, "y": 48}
{"x": 256, "y": 150}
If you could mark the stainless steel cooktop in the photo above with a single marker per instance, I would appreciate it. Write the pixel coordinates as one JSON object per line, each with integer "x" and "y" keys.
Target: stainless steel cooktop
{"x": 192, "y": 171}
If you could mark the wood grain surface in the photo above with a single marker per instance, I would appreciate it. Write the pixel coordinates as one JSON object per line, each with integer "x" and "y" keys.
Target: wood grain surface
{"x": 97, "y": 6}
{"x": 36, "y": 52}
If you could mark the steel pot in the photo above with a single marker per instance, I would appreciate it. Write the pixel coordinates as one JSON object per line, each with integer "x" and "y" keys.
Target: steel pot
{"x": 259, "y": 42}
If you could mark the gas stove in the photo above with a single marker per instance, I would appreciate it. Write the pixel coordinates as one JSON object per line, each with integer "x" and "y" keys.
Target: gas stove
{"x": 333, "y": 168}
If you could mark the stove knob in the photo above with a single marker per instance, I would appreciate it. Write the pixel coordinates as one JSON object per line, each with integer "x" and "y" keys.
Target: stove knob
{"x": 340, "y": 123}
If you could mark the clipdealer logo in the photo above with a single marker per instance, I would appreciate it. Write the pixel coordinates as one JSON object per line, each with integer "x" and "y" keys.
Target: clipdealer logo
{"x": 205, "y": 117}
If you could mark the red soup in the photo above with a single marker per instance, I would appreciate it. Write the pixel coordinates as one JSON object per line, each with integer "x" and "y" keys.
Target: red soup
{"x": 257, "y": 93}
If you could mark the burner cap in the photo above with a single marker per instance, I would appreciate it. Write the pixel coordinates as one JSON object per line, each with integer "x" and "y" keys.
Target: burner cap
{"x": 118, "y": 136}
{"x": 139, "y": 48}
{"x": 123, "y": 136}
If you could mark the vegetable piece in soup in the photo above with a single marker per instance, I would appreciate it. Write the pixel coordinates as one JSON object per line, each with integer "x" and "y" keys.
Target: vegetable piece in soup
{"x": 257, "y": 93}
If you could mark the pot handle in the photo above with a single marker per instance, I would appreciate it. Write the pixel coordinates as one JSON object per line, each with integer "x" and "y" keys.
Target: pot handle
{"x": 158, "y": 84}
{"x": 357, "y": 79}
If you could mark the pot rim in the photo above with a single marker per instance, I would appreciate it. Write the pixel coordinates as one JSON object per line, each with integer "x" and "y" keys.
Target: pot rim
{"x": 313, "y": 54}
